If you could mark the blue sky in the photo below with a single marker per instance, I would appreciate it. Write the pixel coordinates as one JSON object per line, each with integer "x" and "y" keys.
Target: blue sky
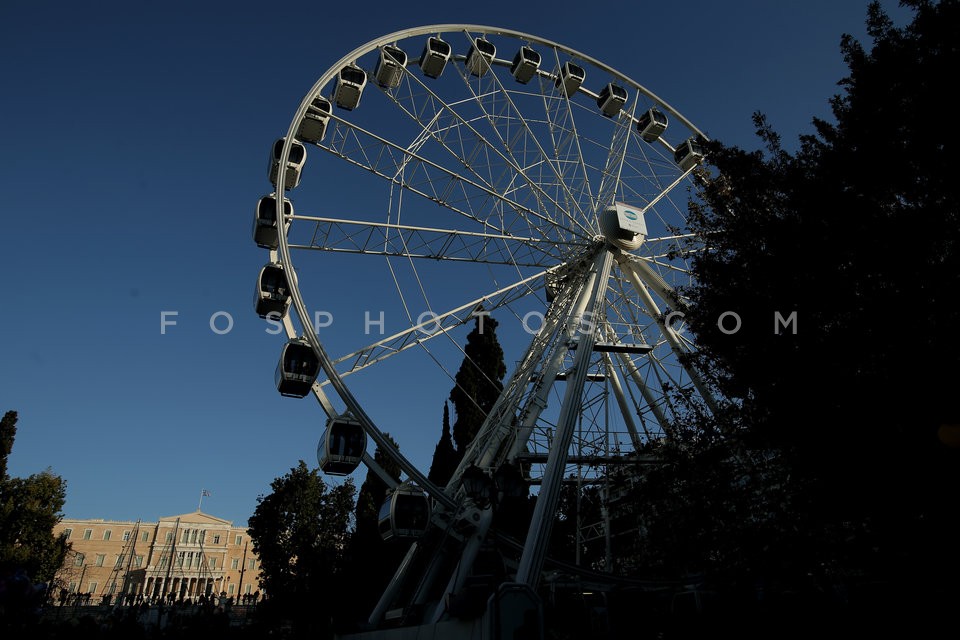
{"x": 135, "y": 138}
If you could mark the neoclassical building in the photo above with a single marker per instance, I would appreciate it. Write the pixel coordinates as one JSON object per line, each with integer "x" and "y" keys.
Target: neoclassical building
{"x": 185, "y": 555}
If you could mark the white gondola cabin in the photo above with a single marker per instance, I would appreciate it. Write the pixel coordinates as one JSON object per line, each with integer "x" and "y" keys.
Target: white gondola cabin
{"x": 611, "y": 99}
{"x": 405, "y": 513}
{"x": 272, "y": 295}
{"x": 266, "y": 230}
{"x": 525, "y": 64}
{"x": 342, "y": 446}
{"x": 390, "y": 66}
{"x": 570, "y": 78}
{"x": 651, "y": 124}
{"x": 350, "y": 83}
{"x": 688, "y": 154}
{"x": 314, "y": 123}
{"x": 297, "y": 369}
{"x": 436, "y": 54}
{"x": 295, "y": 162}
{"x": 480, "y": 57}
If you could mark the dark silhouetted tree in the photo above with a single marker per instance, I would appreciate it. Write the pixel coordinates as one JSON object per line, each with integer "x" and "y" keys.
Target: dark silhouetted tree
{"x": 479, "y": 381}
{"x": 372, "y": 561}
{"x": 30, "y": 554}
{"x": 300, "y": 533}
{"x": 445, "y": 458}
{"x": 857, "y": 232}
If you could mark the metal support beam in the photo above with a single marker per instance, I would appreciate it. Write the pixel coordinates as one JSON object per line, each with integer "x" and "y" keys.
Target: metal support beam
{"x": 538, "y": 535}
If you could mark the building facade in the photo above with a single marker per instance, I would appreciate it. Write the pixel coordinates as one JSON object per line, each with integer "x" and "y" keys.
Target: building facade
{"x": 179, "y": 557}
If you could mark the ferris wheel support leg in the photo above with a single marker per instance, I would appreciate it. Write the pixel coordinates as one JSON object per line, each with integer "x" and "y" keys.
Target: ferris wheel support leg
{"x": 538, "y": 401}
{"x": 631, "y": 368}
{"x": 391, "y": 591}
{"x": 465, "y": 566}
{"x": 633, "y": 273}
{"x": 622, "y": 402}
{"x": 535, "y": 548}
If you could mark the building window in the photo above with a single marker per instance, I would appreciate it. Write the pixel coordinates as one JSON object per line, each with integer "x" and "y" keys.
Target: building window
{"x": 145, "y": 536}
{"x": 169, "y": 537}
{"x": 87, "y": 533}
{"x": 163, "y": 562}
{"x": 231, "y": 589}
{"x": 248, "y": 589}
{"x": 213, "y": 563}
{"x": 185, "y": 538}
{"x": 180, "y": 559}
{"x": 78, "y": 561}
{"x": 67, "y": 533}
{"x": 100, "y": 558}
{"x": 193, "y": 536}
{"x": 126, "y": 536}
{"x": 138, "y": 561}
{"x": 73, "y": 586}
{"x": 216, "y": 538}
{"x": 120, "y": 560}
{"x": 239, "y": 540}
{"x": 92, "y": 587}
{"x": 251, "y": 564}
{"x": 106, "y": 534}
{"x": 235, "y": 563}
{"x": 189, "y": 559}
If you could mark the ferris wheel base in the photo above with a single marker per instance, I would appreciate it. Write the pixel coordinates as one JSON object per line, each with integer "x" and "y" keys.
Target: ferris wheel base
{"x": 515, "y": 611}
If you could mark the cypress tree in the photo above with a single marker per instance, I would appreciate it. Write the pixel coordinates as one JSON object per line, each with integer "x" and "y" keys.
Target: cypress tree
{"x": 478, "y": 382}
{"x": 445, "y": 458}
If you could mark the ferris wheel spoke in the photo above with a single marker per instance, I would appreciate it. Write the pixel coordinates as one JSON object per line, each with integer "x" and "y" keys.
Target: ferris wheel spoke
{"x": 437, "y": 324}
{"x": 640, "y": 283}
{"x": 475, "y": 151}
{"x": 610, "y": 180}
{"x": 568, "y": 153}
{"x": 525, "y": 140}
{"x": 386, "y": 239}
{"x": 435, "y": 182}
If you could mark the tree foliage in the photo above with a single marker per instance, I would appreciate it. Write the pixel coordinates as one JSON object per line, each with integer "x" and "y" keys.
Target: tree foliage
{"x": 29, "y": 509}
{"x": 372, "y": 561}
{"x": 300, "y": 532}
{"x": 445, "y": 456}
{"x": 479, "y": 381}
{"x": 857, "y": 232}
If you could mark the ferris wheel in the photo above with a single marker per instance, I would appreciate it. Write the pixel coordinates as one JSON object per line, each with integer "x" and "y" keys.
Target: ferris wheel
{"x": 445, "y": 174}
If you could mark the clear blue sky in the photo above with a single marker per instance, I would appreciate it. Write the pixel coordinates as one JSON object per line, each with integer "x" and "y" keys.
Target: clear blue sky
{"x": 134, "y": 144}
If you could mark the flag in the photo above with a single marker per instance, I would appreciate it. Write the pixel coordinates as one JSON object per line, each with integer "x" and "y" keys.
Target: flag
{"x": 205, "y": 493}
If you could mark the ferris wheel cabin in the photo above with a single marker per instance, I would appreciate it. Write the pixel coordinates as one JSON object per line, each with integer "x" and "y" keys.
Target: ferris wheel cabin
{"x": 480, "y": 57}
{"x": 297, "y": 369}
{"x": 350, "y": 83}
{"x": 436, "y": 54}
{"x": 611, "y": 99}
{"x": 295, "y": 162}
{"x": 404, "y": 514}
{"x": 342, "y": 446}
{"x": 272, "y": 295}
{"x": 651, "y": 124}
{"x": 525, "y": 64}
{"x": 390, "y": 65}
{"x": 570, "y": 78}
{"x": 688, "y": 154}
{"x": 314, "y": 123}
{"x": 265, "y": 228}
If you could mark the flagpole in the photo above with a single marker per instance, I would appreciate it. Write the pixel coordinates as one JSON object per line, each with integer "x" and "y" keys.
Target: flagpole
{"x": 203, "y": 492}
